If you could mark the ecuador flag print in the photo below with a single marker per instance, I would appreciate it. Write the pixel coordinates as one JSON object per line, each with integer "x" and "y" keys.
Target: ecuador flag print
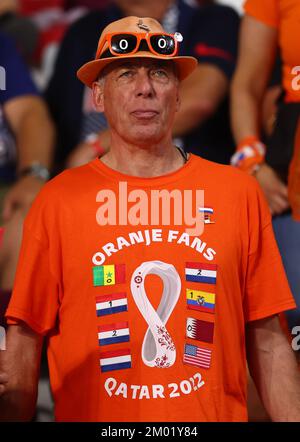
{"x": 199, "y": 300}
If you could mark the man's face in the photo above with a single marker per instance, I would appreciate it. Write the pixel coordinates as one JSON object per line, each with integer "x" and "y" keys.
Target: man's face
{"x": 140, "y": 99}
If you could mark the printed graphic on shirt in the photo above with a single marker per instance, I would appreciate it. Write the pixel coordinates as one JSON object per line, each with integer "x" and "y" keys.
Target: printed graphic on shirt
{"x": 109, "y": 304}
{"x": 155, "y": 347}
{"x": 115, "y": 360}
{"x": 158, "y": 349}
{"x": 199, "y": 300}
{"x": 183, "y": 387}
{"x": 208, "y": 213}
{"x": 109, "y": 274}
{"x": 201, "y": 272}
{"x": 151, "y": 236}
{"x": 194, "y": 355}
{"x": 200, "y": 330}
{"x": 113, "y": 333}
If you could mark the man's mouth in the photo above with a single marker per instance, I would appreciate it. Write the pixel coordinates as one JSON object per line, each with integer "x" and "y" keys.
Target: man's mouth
{"x": 144, "y": 113}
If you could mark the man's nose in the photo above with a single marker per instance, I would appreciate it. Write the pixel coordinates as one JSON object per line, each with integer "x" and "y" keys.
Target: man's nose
{"x": 144, "y": 86}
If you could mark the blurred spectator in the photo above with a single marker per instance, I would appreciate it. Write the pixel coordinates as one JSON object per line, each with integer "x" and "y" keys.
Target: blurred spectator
{"x": 26, "y": 144}
{"x": 51, "y": 19}
{"x": 210, "y": 33}
{"x": 89, "y": 4}
{"x": 20, "y": 29}
{"x": 269, "y": 23}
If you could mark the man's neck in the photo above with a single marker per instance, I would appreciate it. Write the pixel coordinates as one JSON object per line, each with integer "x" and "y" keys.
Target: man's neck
{"x": 153, "y": 160}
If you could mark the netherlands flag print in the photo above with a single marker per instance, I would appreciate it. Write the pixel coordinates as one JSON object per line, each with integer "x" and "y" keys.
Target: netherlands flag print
{"x": 113, "y": 333}
{"x": 115, "y": 360}
{"x": 201, "y": 272}
{"x": 109, "y": 304}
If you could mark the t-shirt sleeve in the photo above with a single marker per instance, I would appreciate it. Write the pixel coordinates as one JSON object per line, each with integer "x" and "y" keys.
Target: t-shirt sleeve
{"x": 14, "y": 73}
{"x": 215, "y": 40}
{"x": 265, "y": 11}
{"x": 37, "y": 290}
{"x": 267, "y": 290}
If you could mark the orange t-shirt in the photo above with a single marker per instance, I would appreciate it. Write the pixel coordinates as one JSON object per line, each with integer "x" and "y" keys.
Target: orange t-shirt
{"x": 146, "y": 319}
{"x": 283, "y": 15}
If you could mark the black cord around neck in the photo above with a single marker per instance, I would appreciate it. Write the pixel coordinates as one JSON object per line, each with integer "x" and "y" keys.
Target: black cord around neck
{"x": 183, "y": 153}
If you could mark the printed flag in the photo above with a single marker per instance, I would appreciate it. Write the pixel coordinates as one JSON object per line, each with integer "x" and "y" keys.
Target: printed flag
{"x": 115, "y": 360}
{"x": 109, "y": 304}
{"x": 200, "y": 330}
{"x": 194, "y": 355}
{"x": 199, "y": 300}
{"x": 109, "y": 274}
{"x": 201, "y": 272}
{"x": 113, "y": 333}
{"x": 208, "y": 212}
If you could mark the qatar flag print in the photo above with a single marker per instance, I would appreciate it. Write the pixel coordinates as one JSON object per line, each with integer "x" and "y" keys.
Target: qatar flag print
{"x": 200, "y": 330}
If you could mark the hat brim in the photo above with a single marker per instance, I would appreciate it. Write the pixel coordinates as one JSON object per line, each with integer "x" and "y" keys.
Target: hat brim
{"x": 89, "y": 72}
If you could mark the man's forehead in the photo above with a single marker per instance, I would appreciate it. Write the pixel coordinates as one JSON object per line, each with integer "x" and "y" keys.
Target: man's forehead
{"x": 141, "y": 62}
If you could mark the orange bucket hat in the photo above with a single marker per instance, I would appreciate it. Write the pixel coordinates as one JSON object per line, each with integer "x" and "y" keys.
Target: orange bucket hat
{"x": 90, "y": 71}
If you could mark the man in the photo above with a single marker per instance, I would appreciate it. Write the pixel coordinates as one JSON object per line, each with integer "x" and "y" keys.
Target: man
{"x": 202, "y": 122}
{"x": 149, "y": 316}
{"x": 26, "y": 146}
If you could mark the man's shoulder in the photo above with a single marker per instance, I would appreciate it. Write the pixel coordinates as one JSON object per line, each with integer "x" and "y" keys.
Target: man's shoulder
{"x": 61, "y": 196}
{"x": 223, "y": 176}
{"x": 218, "y": 168}
{"x": 69, "y": 178}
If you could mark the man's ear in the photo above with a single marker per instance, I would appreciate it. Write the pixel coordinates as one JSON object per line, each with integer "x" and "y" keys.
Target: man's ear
{"x": 98, "y": 96}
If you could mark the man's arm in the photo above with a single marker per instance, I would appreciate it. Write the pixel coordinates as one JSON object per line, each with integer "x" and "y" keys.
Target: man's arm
{"x": 29, "y": 120}
{"x": 201, "y": 94}
{"x": 19, "y": 373}
{"x": 257, "y": 50}
{"x": 274, "y": 369}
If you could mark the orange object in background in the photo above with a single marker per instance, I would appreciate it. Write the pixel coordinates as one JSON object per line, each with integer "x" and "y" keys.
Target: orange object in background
{"x": 283, "y": 15}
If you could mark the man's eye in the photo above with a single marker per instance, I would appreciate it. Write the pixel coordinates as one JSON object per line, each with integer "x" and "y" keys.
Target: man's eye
{"x": 159, "y": 73}
{"x": 126, "y": 74}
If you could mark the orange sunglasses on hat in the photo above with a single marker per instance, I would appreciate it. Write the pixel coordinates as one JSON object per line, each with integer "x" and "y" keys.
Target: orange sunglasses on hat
{"x": 133, "y": 37}
{"x": 125, "y": 43}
